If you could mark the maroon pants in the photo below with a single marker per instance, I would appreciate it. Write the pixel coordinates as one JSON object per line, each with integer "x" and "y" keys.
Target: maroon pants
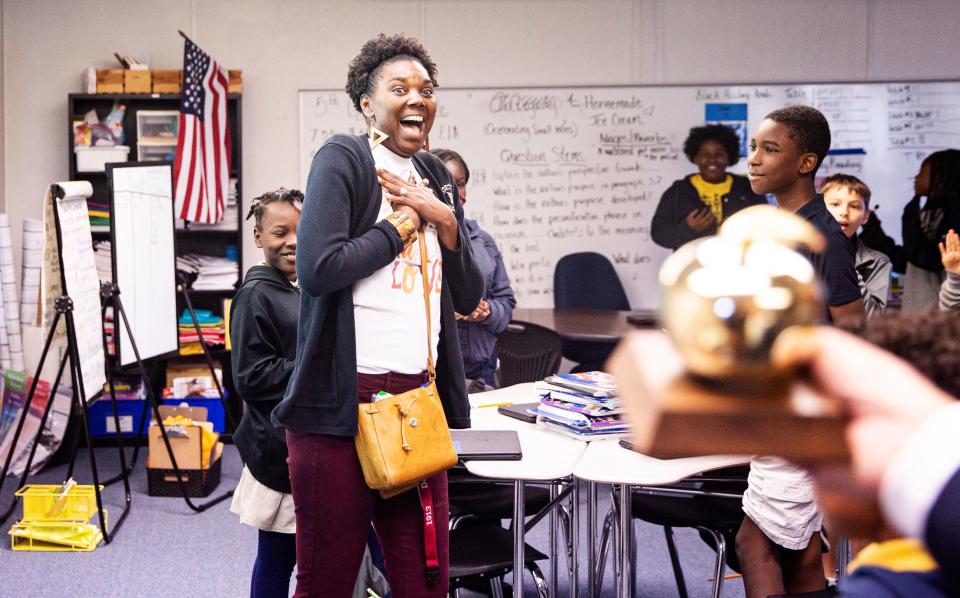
{"x": 334, "y": 508}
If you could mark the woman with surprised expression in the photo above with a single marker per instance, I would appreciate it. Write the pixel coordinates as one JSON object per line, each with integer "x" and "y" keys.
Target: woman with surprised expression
{"x": 362, "y": 325}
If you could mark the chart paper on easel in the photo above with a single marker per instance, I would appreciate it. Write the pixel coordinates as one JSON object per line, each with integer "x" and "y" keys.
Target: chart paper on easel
{"x": 78, "y": 275}
{"x": 143, "y": 256}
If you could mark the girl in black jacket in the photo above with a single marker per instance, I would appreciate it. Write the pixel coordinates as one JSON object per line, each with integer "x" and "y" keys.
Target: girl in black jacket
{"x": 263, "y": 330}
{"x": 696, "y": 205}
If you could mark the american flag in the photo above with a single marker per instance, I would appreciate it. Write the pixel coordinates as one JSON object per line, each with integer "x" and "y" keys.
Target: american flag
{"x": 201, "y": 172}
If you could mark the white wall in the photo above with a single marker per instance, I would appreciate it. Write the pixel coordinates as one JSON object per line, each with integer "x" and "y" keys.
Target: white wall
{"x": 293, "y": 44}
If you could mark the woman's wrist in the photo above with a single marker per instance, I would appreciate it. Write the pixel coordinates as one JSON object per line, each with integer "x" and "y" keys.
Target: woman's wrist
{"x": 404, "y": 226}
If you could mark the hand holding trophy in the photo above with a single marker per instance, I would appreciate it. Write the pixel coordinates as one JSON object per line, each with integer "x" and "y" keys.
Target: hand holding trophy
{"x": 729, "y": 302}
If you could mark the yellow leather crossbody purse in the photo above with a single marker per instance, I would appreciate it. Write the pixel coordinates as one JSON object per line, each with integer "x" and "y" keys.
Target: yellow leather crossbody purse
{"x": 404, "y": 439}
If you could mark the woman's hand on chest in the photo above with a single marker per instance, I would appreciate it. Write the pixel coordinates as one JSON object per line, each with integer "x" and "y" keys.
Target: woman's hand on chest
{"x": 421, "y": 198}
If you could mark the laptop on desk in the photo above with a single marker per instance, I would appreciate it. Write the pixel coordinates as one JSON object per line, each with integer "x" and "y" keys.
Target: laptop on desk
{"x": 487, "y": 445}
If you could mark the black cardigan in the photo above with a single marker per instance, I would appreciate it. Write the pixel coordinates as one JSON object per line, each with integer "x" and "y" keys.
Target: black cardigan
{"x": 263, "y": 330}
{"x": 669, "y": 227}
{"x": 339, "y": 243}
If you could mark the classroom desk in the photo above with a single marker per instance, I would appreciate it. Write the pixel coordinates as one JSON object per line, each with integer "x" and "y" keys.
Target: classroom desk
{"x": 606, "y": 462}
{"x": 586, "y": 324}
{"x": 547, "y": 457}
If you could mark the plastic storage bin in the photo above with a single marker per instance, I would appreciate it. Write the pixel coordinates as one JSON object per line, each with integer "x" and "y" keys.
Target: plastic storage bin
{"x": 214, "y": 408}
{"x": 41, "y": 502}
{"x": 199, "y": 482}
{"x": 94, "y": 158}
{"x": 101, "y": 416}
{"x": 57, "y": 522}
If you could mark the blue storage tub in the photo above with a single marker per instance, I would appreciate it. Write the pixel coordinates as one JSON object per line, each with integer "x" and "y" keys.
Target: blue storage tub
{"x": 101, "y": 417}
{"x": 214, "y": 409}
{"x": 130, "y": 410}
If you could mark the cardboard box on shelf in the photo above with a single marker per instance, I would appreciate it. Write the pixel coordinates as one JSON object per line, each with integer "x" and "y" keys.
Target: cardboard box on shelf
{"x": 236, "y": 81}
{"x": 136, "y": 81}
{"x": 109, "y": 80}
{"x": 198, "y": 370}
{"x": 166, "y": 80}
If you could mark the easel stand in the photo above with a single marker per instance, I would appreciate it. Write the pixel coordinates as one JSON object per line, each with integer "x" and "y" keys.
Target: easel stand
{"x": 64, "y": 308}
{"x": 110, "y": 295}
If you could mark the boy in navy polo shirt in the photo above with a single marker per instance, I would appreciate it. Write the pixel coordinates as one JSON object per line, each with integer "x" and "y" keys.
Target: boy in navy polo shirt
{"x": 778, "y": 543}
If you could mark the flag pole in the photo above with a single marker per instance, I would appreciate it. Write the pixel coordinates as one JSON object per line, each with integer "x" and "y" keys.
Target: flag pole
{"x": 184, "y": 36}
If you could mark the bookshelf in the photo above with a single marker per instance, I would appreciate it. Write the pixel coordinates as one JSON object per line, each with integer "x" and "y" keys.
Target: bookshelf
{"x": 147, "y": 133}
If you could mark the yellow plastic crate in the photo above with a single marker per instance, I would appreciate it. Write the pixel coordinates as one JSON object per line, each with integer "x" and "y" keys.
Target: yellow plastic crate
{"x": 54, "y": 536}
{"x": 43, "y": 503}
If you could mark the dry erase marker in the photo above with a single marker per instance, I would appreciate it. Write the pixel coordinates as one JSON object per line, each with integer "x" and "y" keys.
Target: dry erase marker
{"x": 495, "y": 405}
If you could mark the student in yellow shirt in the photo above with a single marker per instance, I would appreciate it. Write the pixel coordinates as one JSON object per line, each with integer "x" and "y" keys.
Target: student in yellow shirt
{"x": 697, "y": 204}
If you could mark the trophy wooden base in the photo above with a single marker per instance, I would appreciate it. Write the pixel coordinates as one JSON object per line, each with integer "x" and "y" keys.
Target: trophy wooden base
{"x": 673, "y": 414}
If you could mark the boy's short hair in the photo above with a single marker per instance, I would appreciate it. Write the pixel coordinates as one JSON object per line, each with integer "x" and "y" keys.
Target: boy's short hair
{"x": 848, "y": 181}
{"x": 808, "y": 127}
{"x": 929, "y": 341}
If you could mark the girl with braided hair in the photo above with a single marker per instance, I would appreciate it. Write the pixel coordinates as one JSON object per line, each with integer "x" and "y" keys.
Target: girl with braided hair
{"x": 263, "y": 329}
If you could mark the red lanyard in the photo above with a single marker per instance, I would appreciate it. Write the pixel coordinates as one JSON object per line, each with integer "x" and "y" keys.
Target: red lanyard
{"x": 429, "y": 533}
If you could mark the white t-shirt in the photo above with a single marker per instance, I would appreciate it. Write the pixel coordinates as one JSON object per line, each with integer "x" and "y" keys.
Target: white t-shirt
{"x": 390, "y": 319}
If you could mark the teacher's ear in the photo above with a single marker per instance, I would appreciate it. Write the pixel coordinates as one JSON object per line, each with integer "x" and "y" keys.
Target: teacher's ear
{"x": 365, "y": 108}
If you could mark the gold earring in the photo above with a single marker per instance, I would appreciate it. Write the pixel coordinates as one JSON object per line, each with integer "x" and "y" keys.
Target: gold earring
{"x": 375, "y": 135}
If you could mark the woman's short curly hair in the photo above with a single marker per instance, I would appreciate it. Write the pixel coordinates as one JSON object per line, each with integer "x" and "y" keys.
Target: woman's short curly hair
{"x": 722, "y": 134}
{"x": 363, "y": 70}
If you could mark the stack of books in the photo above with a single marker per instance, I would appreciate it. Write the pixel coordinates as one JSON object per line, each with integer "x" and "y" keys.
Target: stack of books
{"x": 99, "y": 212}
{"x": 213, "y": 273}
{"x": 211, "y": 326}
{"x": 583, "y": 405}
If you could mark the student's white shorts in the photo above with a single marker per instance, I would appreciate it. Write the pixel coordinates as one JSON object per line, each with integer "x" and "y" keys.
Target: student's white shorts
{"x": 780, "y": 499}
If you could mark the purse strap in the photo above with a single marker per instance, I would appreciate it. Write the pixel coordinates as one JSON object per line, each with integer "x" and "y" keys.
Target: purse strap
{"x": 426, "y": 300}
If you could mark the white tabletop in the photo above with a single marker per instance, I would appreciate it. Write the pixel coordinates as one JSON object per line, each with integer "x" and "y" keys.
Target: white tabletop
{"x": 547, "y": 455}
{"x": 607, "y": 462}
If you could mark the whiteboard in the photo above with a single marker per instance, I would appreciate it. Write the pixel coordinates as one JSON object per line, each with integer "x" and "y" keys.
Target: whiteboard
{"x": 70, "y": 244}
{"x": 142, "y": 248}
{"x": 557, "y": 170}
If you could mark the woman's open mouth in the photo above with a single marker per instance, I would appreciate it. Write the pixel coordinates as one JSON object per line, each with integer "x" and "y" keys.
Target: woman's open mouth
{"x": 413, "y": 123}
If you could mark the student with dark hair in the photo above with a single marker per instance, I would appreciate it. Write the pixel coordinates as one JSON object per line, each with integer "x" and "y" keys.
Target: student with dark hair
{"x": 479, "y": 329}
{"x": 778, "y": 545}
{"x": 848, "y": 199}
{"x": 263, "y": 331}
{"x": 371, "y": 202}
{"x": 697, "y": 204}
{"x": 924, "y": 225}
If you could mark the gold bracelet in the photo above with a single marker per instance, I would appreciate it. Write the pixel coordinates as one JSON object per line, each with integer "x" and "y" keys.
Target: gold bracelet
{"x": 404, "y": 226}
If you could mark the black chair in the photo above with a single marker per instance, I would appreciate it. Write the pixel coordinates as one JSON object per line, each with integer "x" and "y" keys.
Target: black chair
{"x": 709, "y": 503}
{"x": 587, "y": 281}
{"x": 481, "y": 554}
{"x": 527, "y": 353}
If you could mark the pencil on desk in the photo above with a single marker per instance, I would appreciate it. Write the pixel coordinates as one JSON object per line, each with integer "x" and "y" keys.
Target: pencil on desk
{"x": 495, "y": 404}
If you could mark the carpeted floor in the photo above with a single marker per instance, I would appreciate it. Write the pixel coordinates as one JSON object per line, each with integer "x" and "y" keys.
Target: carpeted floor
{"x": 165, "y": 549}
